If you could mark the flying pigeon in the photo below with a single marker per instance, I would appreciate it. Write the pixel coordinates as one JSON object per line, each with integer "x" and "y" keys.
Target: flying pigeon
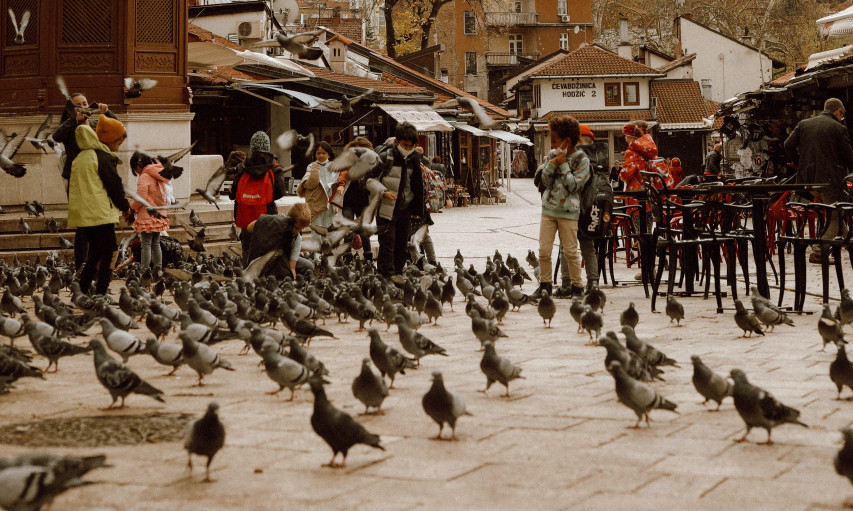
{"x": 205, "y": 436}
{"x": 10, "y": 147}
{"x": 443, "y": 406}
{"x": 214, "y": 184}
{"x": 297, "y": 44}
{"x": 19, "y": 29}
{"x": 291, "y": 139}
{"x": 471, "y": 104}
{"x": 42, "y": 138}
{"x": 758, "y": 408}
{"x": 345, "y": 104}
{"x": 134, "y": 88}
{"x": 359, "y": 161}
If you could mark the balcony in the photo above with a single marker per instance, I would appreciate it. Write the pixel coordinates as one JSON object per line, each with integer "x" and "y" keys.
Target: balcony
{"x": 510, "y": 18}
{"x": 498, "y": 58}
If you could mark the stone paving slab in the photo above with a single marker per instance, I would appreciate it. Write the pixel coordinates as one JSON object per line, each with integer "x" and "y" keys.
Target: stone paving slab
{"x": 559, "y": 442}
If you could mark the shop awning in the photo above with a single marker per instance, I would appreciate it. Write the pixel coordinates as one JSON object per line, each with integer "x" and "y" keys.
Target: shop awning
{"x": 210, "y": 56}
{"x": 477, "y": 132}
{"x": 838, "y": 24}
{"x": 422, "y": 117}
{"x": 508, "y": 137}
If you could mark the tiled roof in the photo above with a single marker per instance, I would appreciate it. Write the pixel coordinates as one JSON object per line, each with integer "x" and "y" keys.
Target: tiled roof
{"x": 592, "y": 60}
{"x": 782, "y": 80}
{"x": 679, "y": 101}
{"x": 367, "y": 83}
{"x": 198, "y": 34}
{"x": 602, "y": 115}
{"x": 669, "y": 66}
{"x": 347, "y": 27}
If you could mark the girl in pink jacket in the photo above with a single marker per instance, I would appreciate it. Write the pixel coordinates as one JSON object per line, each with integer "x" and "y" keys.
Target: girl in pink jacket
{"x": 151, "y": 187}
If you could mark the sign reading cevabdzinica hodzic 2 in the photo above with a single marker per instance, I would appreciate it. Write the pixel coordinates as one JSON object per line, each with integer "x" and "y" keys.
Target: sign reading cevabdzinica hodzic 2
{"x": 575, "y": 89}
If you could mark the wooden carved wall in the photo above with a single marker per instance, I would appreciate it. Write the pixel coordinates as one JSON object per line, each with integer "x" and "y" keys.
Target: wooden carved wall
{"x": 21, "y": 58}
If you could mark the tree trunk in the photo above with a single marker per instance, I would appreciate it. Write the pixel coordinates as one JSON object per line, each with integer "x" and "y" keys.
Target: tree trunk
{"x": 390, "y": 37}
{"x": 430, "y": 21}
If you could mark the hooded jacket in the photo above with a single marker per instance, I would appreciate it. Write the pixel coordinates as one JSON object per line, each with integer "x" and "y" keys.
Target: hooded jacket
{"x": 256, "y": 165}
{"x": 563, "y": 186}
{"x": 151, "y": 187}
{"x": 312, "y": 188}
{"x": 395, "y": 179}
{"x": 95, "y": 191}
{"x": 64, "y": 134}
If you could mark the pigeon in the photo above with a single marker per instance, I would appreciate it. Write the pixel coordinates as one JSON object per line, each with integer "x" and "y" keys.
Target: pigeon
{"x": 39, "y": 207}
{"x": 335, "y": 427}
{"x": 497, "y": 369}
{"x": 595, "y": 298}
{"x": 205, "y": 436}
{"x": 11, "y": 369}
{"x": 291, "y": 139}
{"x": 632, "y": 364}
{"x": 19, "y": 29}
{"x": 769, "y": 314}
{"x": 135, "y": 88}
{"x": 758, "y": 408}
{"x": 201, "y": 357}
{"x": 500, "y": 304}
{"x": 24, "y": 227}
{"x": 709, "y": 384}
{"x": 121, "y": 342}
{"x": 576, "y": 310}
{"x": 31, "y": 486}
{"x": 64, "y": 244}
{"x": 11, "y": 328}
{"x": 304, "y": 357}
{"x": 297, "y": 44}
{"x": 388, "y": 360}
{"x": 286, "y": 372}
{"x": 841, "y": 370}
{"x": 118, "y": 317}
{"x": 158, "y": 324}
{"x": 432, "y": 308}
{"x": 458, "y": 259}
{"x": 303, "y": 327}
{"x": 746, "y": 320}
{"x": 547, "y": 308}
{"x": 470, "y": 103}
{"x": 591, "y": 321}
{"x": 232, "y": 232}
{"x": 41, "y": 141}
{"x": 195, "y": 221}
{"x": 415, "y": 343}
{"x": 443, "y": 406}
{"x": 629, "y": 316}
{"x": 359, "y": 162}
{"x": 151, "y": 210}
{"x": 8, "y": 151}
{"x": 485, "y": 329}
{"x": 829, "y": 328}
{"x": 644, "y": 350}
{"x": 369, "y": 388}
{"x": 674, "y": 310}
{"x": 214, "y": 184}
{"x": 844, "y": 459}
{"x": 118, "y": 379}
{"x": 166, "y": 353}
{"x": 345, "y": 104}
{"x": 53, "y": 349}
{"x": 637, "y": 396}
{"x": 845, "y": 309}
{"x": 30, "y": 209}
{"x": 196, "y": 244}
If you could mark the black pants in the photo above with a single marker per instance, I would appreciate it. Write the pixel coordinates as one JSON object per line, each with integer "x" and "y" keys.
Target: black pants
{"x": 245, "y": 242}
{"x": 393, "y": 240}
{"x": 81, "y": 248}
{"x": 102, "y": 244}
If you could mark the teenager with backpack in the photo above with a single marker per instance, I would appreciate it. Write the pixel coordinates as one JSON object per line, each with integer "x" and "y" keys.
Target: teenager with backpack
{"x": 258, "y": 184}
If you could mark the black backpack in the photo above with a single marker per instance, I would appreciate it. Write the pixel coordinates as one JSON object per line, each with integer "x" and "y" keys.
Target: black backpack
{"x": 596, "y": 205}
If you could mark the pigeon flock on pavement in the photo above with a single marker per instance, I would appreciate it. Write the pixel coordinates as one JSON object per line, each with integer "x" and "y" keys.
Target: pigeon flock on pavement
{"x": 209, "y": 300}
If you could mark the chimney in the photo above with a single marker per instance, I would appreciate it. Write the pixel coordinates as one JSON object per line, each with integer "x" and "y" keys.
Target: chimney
{"x": 625, "y": 51}
{"x": 746, "y": 38}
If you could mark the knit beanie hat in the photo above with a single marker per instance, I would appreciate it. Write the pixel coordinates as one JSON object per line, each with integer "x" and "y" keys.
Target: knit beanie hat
{"x": 109, "y": 130}
{"x": 260, "y": 142}
{"x": 586, "y": 130}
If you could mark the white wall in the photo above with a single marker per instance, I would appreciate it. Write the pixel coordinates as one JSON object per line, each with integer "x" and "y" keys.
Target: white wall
{"x": 581, "y": 94}
{"x": 732, "y": 67}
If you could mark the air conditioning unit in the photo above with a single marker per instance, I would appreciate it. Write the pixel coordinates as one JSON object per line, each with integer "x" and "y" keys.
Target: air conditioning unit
{"x": 565, "y": 18}
{"x": 250, "y": 30}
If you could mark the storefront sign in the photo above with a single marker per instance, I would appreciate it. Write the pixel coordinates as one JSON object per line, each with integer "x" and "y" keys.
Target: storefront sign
{"x": 575, "y": 89}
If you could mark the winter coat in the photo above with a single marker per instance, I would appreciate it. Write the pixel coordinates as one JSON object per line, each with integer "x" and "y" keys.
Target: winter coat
{"x": 256, "y": 165}
{"x": 394, "y": 179}
{"x": 821, "y": 146}
{"x": 95, "y": 191}
{"x": 271, "y": 232}
{"x": 64, "y": 134}
{"x": 639, "y": 152}
{"x": 563, "y": 186}
{"x": 151, "y": 187}
{"x": 315, "y": 188}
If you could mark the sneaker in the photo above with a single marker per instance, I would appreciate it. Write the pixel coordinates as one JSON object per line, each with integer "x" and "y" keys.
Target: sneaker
{"x": 815, "y": 258}
{"x": 563, "y": 292}
{"x": 547, "y": 286}
{"x": 577, "y": 291}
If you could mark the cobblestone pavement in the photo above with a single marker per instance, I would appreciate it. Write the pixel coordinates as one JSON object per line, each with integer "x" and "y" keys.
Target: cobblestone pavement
{"x": 559, "y": 442}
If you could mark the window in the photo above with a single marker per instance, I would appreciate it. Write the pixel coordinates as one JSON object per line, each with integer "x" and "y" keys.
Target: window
{"x": 612, "y": 94}
{"x": 516, "y": 6}
{"x": 564, "y": 41}
{"x": 632, "y": 94}
{"x": 515, "y": 44}
{"x": 470, "y": 23}
{"x": 562, "y": 7}
{"x": 470, "y": 63}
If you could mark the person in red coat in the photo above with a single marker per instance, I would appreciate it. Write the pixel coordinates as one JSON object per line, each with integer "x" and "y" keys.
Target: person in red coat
{"x": 641, "y": 149}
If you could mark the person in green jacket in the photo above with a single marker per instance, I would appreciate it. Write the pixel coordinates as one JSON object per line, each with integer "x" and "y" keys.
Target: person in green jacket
{"x": 563, "y": 178}
{"x": 96, "y": 197}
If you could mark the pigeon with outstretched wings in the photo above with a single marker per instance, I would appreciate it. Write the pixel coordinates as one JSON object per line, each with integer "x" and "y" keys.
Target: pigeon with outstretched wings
{"x": 42, "y": 136}
{"x": 10, "y": 148}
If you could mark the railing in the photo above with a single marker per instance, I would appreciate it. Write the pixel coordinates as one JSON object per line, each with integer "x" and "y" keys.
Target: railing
{"x": 495, "y": 58}
{"x": 510, "y": 18}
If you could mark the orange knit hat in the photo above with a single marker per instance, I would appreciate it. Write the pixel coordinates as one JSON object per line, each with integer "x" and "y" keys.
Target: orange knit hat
{"x": 586, "y": 130}
{"x": 109, "y": 130}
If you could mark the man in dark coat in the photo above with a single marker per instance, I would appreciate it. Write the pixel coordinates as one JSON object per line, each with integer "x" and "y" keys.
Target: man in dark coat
{"x": 713, "y": 160}
{"x": 821, "y": 147}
